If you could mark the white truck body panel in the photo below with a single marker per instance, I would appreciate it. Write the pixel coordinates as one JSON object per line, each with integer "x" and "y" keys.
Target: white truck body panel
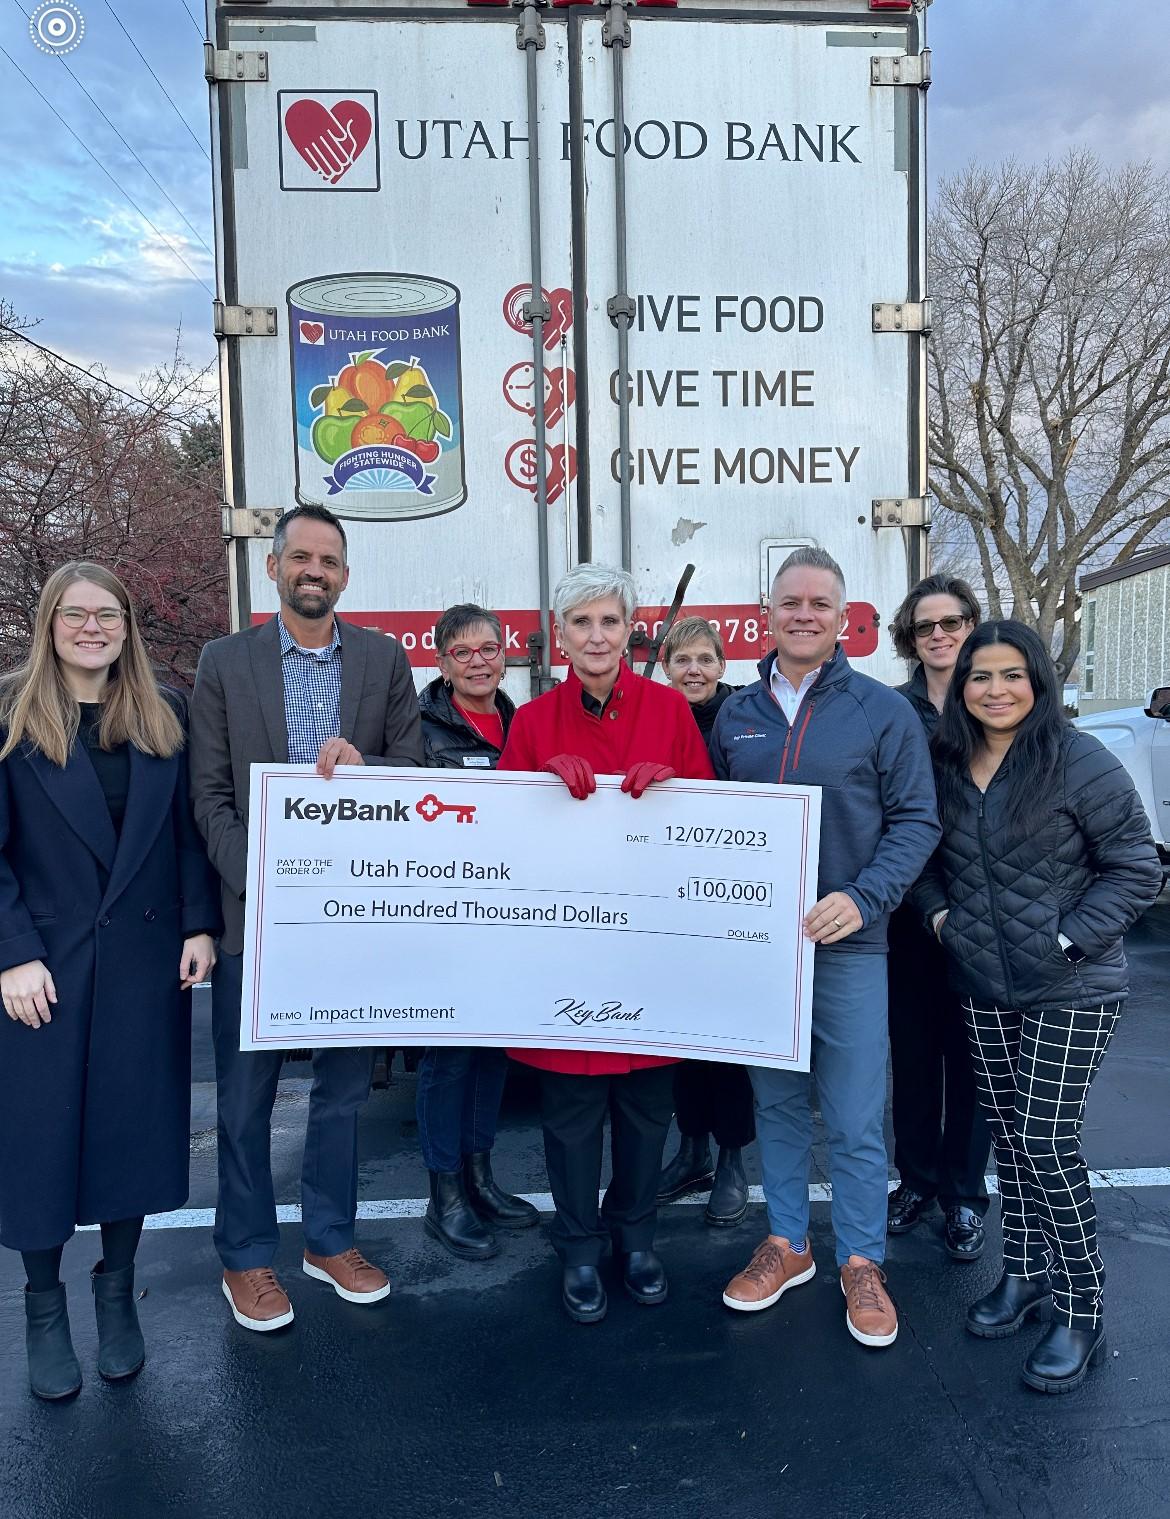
{"x": 773, "y": 194}
{"x": 1142, "y": 744}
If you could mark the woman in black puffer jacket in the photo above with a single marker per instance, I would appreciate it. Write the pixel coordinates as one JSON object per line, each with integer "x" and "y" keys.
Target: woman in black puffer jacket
{"x": 1046, "y": 861}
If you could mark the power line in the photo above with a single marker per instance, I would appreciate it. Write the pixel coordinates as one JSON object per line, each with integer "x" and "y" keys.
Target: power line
{"x": 98, "y": 379}
{"x": 160, "y": 188}
{"x": 158, "y": 81}
{"x": 196, "y": 24}
{"x": 117, "y": 186}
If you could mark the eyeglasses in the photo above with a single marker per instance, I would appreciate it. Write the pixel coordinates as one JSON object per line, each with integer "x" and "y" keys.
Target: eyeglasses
{"x": 950, "y": 624}
{"x": 462, "y": 655}
{"x": 108, "y": 618}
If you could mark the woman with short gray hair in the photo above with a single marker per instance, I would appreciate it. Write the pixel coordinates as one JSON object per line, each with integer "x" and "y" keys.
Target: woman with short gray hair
{"x": 604, "y": 717}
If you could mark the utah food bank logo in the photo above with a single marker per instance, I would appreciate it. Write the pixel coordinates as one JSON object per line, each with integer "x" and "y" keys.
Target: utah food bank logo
{"x": 329, "y": 140}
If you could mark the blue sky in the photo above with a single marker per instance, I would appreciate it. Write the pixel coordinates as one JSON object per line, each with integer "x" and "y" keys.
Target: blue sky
{"x": 1025, "y": 78}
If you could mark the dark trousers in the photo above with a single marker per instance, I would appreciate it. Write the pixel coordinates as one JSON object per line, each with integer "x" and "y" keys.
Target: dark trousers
{"x": 713, "y": 1098}
{"x": 573, "y": 1109}
{"x": 458, "y": 1103}
{"x": 246, "y": 1233}
{"x": 1034, "y": 1067}
{"x": 941, "y": 1139}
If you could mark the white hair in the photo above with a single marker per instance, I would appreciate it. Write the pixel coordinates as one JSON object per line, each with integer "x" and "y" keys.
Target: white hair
{"x": 593, "y": 582}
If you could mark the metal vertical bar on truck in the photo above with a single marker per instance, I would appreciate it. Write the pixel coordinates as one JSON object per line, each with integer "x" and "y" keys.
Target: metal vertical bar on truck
{"x": 616, "y": 37}
{"x": 530, "y": 39}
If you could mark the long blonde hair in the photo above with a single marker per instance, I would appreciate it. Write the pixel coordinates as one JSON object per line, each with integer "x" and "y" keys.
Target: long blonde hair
{"x": 37, "y": 707}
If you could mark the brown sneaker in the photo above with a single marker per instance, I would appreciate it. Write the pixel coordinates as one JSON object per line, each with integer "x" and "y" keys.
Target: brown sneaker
{"x": 349, "y": 1274}
{"x": 869, "y": 1314}
{"x": 768, "y": 1275}
{"x": 257, "y": 1299}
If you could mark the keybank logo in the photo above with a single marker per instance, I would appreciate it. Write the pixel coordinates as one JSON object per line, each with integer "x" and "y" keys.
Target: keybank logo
{"x": 345, "y": 810}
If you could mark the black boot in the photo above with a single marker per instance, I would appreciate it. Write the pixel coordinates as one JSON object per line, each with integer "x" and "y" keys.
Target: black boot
{"x": 451, "y": 1219}
{"x": 689, "y": 1171}
{"x": 1061, "y": 1358}
{"x": 583, "y": 1294}
{"x": 905, "y": 1209}
{"x": 729, "y": 1191}
{"x": 489, "y": 1201}
{"x": 53, "y": 1371}
{"x": 121, "y": 1351}
{"x": 963, "y": 1233}
{"x": 1003, "y": 1311}
{"x": 644, "y": 1277}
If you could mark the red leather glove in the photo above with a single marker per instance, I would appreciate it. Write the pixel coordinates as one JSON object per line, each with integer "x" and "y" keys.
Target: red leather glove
{"x": 577, "y": 774}
{"x": 645, "y": 773}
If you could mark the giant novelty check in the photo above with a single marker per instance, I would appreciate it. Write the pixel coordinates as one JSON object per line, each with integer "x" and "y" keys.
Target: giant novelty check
{"x": 435, "y": 907}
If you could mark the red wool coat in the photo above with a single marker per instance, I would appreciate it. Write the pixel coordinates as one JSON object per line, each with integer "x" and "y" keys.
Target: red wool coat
{"x": 642, "y": 722}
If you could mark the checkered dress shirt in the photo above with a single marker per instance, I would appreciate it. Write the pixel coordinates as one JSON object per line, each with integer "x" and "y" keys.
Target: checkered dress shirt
{"x": 312, "y": 695}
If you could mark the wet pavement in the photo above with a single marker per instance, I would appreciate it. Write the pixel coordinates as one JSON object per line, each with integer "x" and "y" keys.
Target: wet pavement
{"x": 468, "y": 1392}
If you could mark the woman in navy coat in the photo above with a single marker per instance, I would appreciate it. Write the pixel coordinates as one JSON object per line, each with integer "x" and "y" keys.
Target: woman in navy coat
{"x": 107, "y": 907}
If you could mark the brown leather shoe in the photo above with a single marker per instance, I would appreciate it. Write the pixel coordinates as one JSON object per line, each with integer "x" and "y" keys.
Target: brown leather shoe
{"x": 257, "y": 1299}
{"x": 869, "y": 1314}
{"x": 349, "y": 1274}
{"x": 768, "y": 1275}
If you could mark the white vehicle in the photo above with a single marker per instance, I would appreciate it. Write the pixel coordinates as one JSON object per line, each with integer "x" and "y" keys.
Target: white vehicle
{"x": 1140, "y": 738}
{"x": 424, "y": 228}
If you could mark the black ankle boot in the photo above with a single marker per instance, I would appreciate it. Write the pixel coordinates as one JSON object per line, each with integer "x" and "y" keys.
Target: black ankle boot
{"x": 53, "y": 1371}
{"x": 583, "y": 1294}
{"x": 644, "y": 1277}
{"x": 1003, "y": 1311}
{"x": 729, "y": 1191}
{"x": 689, "y": 1171}
{"x": 451, "y": 1219}
{"x": 1061, "y": 1358}
{"x": 121, "y": 1351}
{"x": 490, "y": 1201}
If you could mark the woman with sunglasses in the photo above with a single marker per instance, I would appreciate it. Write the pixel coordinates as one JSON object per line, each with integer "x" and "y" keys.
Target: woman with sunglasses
{"x": 941, "y": 1141}
{"x": 465, "y": 721}
{"x": 1045, "y": 863}
{"x": 107, "y": 908}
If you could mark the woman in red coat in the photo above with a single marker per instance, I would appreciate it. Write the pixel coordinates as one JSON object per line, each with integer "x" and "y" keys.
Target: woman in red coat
{"x": 604, "y": 718}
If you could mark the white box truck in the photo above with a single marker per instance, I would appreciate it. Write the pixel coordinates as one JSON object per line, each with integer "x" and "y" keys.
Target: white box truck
{"x": 511, "y": 285}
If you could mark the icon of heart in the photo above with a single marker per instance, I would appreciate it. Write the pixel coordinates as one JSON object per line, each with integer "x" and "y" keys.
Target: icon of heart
{"x": 312, "y": 332}
{"x": 329, "y": 139}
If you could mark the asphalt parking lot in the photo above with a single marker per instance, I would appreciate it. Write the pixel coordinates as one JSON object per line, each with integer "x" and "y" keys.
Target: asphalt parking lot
{"x": 467, "y": 1392}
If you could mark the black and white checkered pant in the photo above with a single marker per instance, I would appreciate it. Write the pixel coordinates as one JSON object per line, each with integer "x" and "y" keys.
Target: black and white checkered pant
{"x": 1033, "y": 1069}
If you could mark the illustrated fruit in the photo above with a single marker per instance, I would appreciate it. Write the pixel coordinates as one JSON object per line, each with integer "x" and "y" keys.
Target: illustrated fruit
{"x": 336, "y": 397}
{"x": 331, "y": 436}
{"x": 427, "y": 451}
{"x": 371, "y": 386}
{"x": 377, "y": 428}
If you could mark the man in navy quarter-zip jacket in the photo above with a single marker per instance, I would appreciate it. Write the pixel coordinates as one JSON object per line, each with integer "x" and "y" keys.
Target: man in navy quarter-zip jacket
{"x": 811, "y": 720}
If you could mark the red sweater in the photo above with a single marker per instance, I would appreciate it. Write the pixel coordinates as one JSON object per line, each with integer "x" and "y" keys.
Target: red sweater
{"x": 641, "y": 722}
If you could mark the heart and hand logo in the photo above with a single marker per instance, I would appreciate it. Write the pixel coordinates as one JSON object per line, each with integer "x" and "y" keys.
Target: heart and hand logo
{"x": 329, "y": 138}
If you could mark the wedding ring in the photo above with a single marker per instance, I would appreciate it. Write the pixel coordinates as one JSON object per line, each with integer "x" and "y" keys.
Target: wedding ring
{"x": 836, "y": 922}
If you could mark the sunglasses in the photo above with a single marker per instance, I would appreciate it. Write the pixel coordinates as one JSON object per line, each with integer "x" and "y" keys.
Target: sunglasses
{"x": 950, "y": 624}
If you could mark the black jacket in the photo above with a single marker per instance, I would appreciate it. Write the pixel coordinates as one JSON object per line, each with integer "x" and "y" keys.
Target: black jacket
{"x": 1087, "y": 868}
{"x": 705, "y": 712}
{"x": 915, "y": 693}
{"x": 449, "y": 739}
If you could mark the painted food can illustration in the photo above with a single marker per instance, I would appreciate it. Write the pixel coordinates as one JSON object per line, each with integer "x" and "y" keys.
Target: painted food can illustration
{"x": 376, "y": 394}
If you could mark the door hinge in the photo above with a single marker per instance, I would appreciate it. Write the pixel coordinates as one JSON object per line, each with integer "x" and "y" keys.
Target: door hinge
{"x": 249, "y": 521}
{"x": 901, "y": 316}
{"x": 907, "y": 68}
{"x": 233, "y": 66}
{"x": 243, "y": 321}
{"x": 616, "y": 31}
{"x": 901, "y": 511}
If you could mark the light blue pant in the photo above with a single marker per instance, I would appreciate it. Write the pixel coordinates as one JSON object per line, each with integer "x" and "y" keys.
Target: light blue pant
{"x": 849, "y": 1047}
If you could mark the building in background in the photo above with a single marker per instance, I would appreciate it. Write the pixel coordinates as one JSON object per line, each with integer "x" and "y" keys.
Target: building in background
{"x": 1125, "y": 635}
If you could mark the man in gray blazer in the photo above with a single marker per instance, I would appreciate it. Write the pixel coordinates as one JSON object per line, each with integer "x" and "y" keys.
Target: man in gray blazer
{"x": 303, "y": 687}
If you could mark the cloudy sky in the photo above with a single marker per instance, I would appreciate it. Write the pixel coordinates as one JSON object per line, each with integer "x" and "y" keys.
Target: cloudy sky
{"x": 114, "y": 270}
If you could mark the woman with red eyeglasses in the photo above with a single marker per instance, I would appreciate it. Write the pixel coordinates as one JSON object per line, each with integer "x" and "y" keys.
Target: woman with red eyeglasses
{"x": 465, "y": 720}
